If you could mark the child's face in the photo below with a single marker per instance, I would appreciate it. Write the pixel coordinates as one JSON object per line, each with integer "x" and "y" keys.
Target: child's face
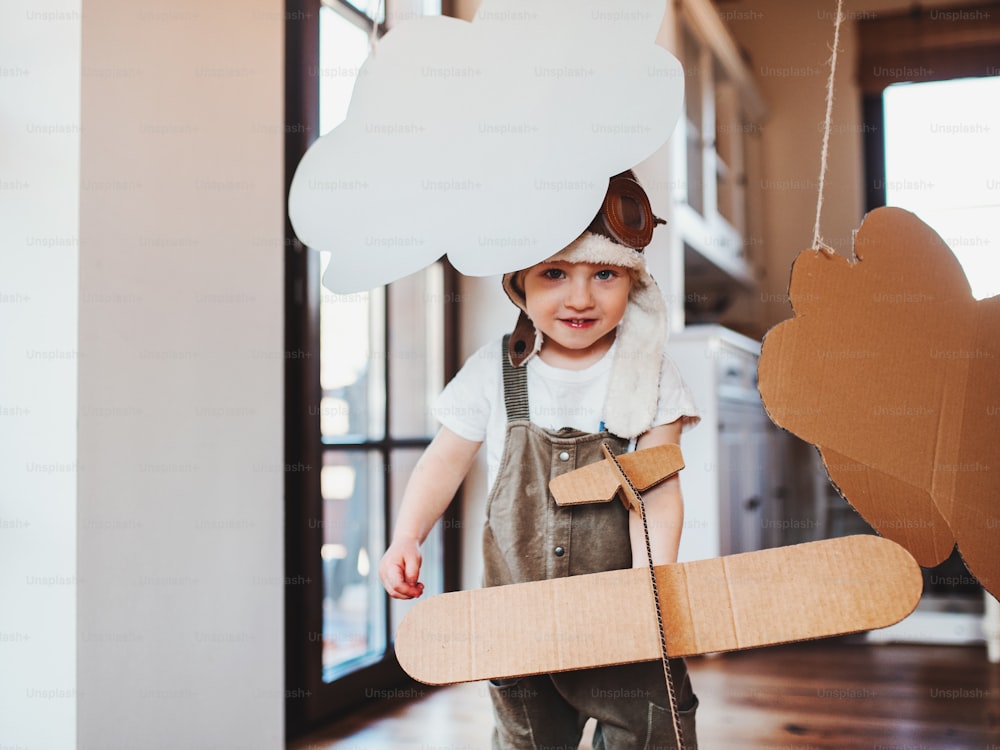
{"x": 577, "y": 307}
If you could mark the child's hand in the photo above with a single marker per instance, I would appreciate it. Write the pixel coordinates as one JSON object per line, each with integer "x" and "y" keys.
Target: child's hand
{"x": 400, "y": 569}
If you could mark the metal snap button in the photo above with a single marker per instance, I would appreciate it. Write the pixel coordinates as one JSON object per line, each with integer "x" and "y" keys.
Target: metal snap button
{"x": 564, "y": 456}
{"x": 559, "y": 551}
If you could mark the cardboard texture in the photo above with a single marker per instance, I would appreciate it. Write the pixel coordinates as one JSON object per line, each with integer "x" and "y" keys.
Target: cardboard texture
{"x": 599, "y": 482}
{"x": 742, "y": 601}
{"x": 891, "y": 368}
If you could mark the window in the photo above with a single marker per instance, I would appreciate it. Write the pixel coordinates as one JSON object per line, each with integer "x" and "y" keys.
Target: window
{"x": 381, "y": 365}
{"x": 917, "y": 46}
{"x": 941, "y": 163}
{"x": 361, "y": 373}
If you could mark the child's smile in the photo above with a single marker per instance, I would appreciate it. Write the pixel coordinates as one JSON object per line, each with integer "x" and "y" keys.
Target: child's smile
{"x": 577, "y": 308}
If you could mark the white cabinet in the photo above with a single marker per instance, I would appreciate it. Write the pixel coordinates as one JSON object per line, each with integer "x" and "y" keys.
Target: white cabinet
{"x": 733, "y": 471}
{"x": 743, "y": 441}
{"x": 705, "y": 181}
{"x": 716, "y": 216}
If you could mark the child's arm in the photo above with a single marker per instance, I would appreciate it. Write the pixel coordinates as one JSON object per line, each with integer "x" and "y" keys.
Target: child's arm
{"x": 664, "y": 507}
{"x": 431, "y": 487}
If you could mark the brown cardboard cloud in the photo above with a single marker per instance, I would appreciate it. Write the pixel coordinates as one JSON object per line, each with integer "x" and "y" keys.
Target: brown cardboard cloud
{"x": 891, "y": 368}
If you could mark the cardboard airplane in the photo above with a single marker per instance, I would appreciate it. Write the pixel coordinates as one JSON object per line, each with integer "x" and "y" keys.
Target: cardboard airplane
{"x": 821, "y": 589}
{"x": 890, "y": 368}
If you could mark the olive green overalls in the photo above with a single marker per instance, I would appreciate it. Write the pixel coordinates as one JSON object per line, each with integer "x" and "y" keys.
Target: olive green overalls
{"x": 527, "y": 537}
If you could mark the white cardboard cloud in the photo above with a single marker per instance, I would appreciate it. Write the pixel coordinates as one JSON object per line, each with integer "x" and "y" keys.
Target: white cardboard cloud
{"x": 491, "y": 141}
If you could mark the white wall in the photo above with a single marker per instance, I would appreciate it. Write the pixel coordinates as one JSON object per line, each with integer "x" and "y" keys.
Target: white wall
{"x": 485, "y": 314}
{"x": 180, "y": 379}
{"x": 141, "y": 159}
{"x": 789, "y": 44}
{"x": 39, "y": 199}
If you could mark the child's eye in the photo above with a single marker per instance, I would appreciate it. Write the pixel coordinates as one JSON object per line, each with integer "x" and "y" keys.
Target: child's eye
{"x": 553, "y": 273}
{"x": 605, "y": 274}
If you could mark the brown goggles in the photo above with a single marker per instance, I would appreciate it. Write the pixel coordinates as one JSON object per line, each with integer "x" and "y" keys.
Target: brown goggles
{"x": 626, "y": 216}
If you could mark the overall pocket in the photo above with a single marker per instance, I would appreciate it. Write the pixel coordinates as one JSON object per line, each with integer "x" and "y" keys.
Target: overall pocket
{"x": 660, "y": 728}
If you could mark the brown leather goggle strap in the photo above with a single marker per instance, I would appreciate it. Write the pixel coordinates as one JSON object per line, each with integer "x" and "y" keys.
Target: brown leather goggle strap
{"x": 626, "y": 215}
{"x": 522, "y": 340}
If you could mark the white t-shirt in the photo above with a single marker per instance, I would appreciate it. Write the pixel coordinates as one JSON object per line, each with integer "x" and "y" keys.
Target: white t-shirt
{"x": 472, "y": 405}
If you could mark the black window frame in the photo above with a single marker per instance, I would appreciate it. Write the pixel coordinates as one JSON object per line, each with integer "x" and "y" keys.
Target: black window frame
{"x": 309, "y": 701}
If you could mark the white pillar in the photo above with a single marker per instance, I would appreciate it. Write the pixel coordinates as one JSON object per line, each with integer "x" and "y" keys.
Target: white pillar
{"x": 141, "y": 320}
{"x": 180, "y": 605}
{"x": 39, "y": 210}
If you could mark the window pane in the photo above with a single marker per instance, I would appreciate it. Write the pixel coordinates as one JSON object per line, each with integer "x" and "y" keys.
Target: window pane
{"x": 416, "y": 346}
{"x": 343, "y": 47}
{"x": 352, "y": 359}
{"x": 369, "y": 7}
{"x": 401, "y": 11}
{"x": 353, "y": 530}
{"x": 432, "y": 569}
{"x": 941, "y": 163}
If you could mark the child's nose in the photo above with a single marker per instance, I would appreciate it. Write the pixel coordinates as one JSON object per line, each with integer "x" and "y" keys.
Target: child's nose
{"x": 580, "y": 295}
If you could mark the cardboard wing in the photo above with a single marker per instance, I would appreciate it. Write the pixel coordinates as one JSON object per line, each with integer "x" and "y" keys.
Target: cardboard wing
{"x": 891, "y": 368}
{"x": 598, "y": 482}
{"x": 729, "y": 603}
{"x": 821, "y": 589}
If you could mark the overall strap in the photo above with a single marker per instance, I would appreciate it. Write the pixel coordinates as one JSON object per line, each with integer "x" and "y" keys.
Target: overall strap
{"x": 515, "y": 387}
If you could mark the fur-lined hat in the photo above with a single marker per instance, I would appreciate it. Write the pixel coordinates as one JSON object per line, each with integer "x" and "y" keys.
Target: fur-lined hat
{"x": 617, "y": 236}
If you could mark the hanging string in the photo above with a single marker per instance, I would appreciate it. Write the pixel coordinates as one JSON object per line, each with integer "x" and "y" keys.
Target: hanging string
{"x": 818, "y": 243}
{"x": 373, "y": 38}
{"x": 636, "y": 501}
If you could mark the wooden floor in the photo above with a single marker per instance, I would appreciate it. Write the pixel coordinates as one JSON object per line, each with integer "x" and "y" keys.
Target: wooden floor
{"x": 829, "y": 694}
